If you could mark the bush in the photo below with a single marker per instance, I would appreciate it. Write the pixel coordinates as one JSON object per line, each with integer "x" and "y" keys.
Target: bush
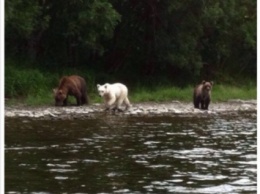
{"x": 35, "y": 86}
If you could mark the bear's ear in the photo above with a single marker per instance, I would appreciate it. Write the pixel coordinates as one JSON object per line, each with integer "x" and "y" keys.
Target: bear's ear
{"x": 212, "y": 83}
{"x": 98, "y": 85}
{"x": 203, "y": 82}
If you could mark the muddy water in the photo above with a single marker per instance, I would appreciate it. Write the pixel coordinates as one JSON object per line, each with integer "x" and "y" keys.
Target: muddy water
{"x": 112, "y": 154}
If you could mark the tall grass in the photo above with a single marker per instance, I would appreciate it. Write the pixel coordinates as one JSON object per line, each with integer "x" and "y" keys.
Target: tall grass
{"x": 33, "y": 87}
{"x": 219, "y": 93}
{"x": 227, "y": 92}
{"x": 21, "y": 83}
{"x": 161, "y": 93}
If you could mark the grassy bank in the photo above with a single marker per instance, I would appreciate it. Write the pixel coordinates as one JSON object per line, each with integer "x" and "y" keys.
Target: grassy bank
{"x": 160, "y": 94}
{"x": 219, "y": 93}
{"x": 34, "y": 88}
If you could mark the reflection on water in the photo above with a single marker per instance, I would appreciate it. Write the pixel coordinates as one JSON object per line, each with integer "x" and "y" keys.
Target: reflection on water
{"x": 113, "y": 154}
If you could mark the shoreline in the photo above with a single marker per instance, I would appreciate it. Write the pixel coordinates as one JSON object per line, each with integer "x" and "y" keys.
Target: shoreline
{"x": 138, "y": 109}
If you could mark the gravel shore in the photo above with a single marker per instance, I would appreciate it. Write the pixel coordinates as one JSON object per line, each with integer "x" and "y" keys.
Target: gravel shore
{"x": 138, "y": 109}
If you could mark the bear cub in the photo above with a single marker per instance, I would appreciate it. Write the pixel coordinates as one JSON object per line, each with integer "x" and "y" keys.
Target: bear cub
{"x": 73, "y": 85}
{"x": 114, "y": 95}
{"x": 202, "y": 95}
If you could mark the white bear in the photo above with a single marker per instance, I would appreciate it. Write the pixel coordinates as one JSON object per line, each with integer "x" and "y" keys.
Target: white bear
{"x": 114, "y": 95}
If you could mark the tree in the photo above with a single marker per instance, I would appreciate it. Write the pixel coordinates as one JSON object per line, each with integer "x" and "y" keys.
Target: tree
{"x": 58, "y": 31}
{"x": 184, "y": 39}
{"x": 173, "y": 41}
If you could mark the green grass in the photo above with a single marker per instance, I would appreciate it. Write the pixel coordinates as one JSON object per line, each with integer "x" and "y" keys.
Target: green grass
{"x": 34, "y": 88}
{"x": 227, "y": 92}
{"x": 159, "y": 94}
{"x": 219, "y": 93}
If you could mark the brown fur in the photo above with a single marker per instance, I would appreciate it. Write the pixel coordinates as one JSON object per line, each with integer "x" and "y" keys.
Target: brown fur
{"x": 73, "y": 85}
{"x": 202, "y": 95}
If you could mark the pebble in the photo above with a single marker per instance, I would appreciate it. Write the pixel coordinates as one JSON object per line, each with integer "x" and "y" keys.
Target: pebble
{"x": 168, "y": 108}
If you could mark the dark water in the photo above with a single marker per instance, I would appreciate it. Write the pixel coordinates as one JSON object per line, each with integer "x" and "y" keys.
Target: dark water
{"x": 113, "y": 154}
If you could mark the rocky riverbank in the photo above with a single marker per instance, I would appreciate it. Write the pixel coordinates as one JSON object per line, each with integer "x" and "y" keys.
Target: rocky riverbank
{"x": 138, "y": 109}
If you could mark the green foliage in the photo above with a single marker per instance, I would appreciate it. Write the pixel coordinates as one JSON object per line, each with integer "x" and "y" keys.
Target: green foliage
{"x": 146, "y": 94}
{"x": 160, "y": 94}
{"x": 35, "y": 87}
{"x": 56, "y": 31}
{"x": 147, "y": 42}
{"x": 227, "y": 92}
{"x": 20, "y": 17}
{"x": 21, "y": 83}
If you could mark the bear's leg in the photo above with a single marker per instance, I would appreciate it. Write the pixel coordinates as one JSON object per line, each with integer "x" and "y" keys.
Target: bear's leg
{"x": 119, "y": 103}
{"x": 113, "y": 107}
{"x": 196, "y": 102}
{"x": 203, "y": 105}
{"x": 77, "y": 94}
{"x": 65, "y": 102}
{"x": 84, "y": 97}
{"x": 109, "y": 104}
{"x": 206, "y": 104}
{"x": 79, "y": 102}
{"x": 78, "y": 98}
{"x": 83, "y": 100}
{"x": 127, "y": 103}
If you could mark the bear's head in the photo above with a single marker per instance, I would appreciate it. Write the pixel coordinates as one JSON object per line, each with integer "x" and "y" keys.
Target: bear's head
{"x": 59, "y": 96}
{"x": 207, "y": 86}
{"x": 103, "y": 89}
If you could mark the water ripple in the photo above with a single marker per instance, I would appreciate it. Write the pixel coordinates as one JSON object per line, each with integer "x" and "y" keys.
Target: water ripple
{"x": 112, "y": 154}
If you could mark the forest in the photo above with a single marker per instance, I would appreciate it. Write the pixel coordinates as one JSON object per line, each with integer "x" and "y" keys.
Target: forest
{"x": 137, "y": 42}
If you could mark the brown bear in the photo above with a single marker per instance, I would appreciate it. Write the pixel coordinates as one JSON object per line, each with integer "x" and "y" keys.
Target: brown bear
{"x": 73, "y": 85}
{"x": 202, "y": 95}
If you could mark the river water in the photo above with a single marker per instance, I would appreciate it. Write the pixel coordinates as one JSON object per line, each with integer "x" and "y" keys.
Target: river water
{"x": 139, "y": 154}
